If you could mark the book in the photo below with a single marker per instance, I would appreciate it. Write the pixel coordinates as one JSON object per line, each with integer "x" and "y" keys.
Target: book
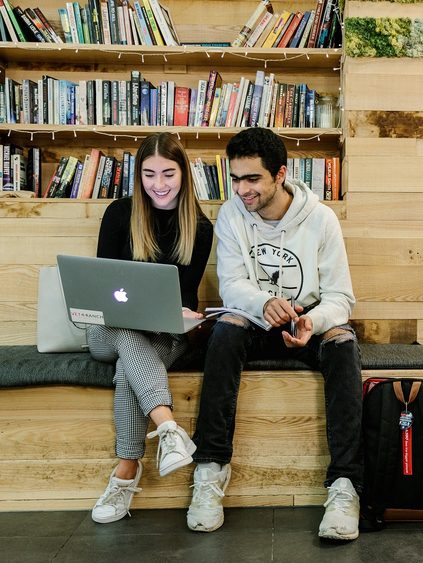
{"x": 289, "y": 33}
{"x": 64, "y": 21}
{"x": 180, "y": 115}
{"x": 89, "y": 178}
{"x": 47, "y": 25}
{"x": 107, "y": 177}
{"x": 299, "y": 31}
{"x": 230, "y": 115}
{"x": 325, "y": 25}
{"x": 216, "y": 311}
{"x": 256, "y": 98}
{"x": 144, "y": 22}
{"x": 168, "y": 18}
{"x": 215, "y": 81}
{"x": 34, "y": 171}
{"x": 113, "y": 22}
{"x": 8, "y": 22}
{"x": 258, "y": 30}
{"x": 18, "y": 167}
{"x": 99, "y": 174}
{"x": 162, "y": 23}
{"x": 55, "y": 178}
{"x": 151, "y": 14}
{"x": 247, "y": 29}
{"x": 125, "y": 174}
{"x": 64, "y": 187}
{"x": 27, "y": 26}
{"x": 311, "y": 43}
{"x": 274, "y": 33}
{"x": 318, "y": 177}
{"x": 115, "y": 187}
{"x": 14, "y": 21}
{"x": 76, "y": 180}
{"x": 201, "y": 100}
{"x": 306, "y": 33}
{"x": 336, "y": 178}
{"x": 328, "y": 179}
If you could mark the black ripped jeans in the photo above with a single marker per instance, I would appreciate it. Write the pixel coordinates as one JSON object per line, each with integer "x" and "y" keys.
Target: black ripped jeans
{"x": 338, "y": 359}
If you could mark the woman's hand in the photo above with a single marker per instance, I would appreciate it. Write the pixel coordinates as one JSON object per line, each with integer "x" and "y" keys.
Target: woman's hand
{"x": 188, "y": 314}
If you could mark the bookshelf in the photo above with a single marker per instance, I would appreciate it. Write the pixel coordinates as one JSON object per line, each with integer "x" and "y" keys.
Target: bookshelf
{"x": 185, "y": 65}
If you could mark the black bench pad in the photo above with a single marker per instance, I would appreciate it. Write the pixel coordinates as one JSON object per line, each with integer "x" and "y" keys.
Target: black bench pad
{"x": 24, "y": 365}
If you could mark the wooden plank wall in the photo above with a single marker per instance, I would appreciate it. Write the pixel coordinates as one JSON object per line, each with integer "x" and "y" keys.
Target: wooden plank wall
{"x": 383, "y": 183}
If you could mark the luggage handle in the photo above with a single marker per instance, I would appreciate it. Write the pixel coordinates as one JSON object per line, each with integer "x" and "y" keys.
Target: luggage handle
{"x": 414, "y": 391}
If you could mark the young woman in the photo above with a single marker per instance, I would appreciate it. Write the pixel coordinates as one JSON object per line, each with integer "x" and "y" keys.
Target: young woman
{"x": 162, "y": 222}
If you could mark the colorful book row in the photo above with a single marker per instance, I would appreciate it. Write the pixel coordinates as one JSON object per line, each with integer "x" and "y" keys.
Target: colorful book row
{"x": 317, "y": 28}
{"x": 147, "y": 22}
{"x": 264, "y": 102}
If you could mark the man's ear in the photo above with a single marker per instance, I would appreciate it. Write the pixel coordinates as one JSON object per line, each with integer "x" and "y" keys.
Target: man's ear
{"x": 281, "y": 175}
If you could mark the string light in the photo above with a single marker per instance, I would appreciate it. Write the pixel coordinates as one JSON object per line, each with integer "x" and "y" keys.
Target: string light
{"x": 115, "y": 136}
{"x": 208, "y": 54}
{"x": 298, "y": 142}
{"x": 119, "y": 56}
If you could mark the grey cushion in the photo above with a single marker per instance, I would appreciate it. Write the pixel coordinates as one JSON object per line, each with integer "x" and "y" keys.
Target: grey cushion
{"x": 24, "y": 365}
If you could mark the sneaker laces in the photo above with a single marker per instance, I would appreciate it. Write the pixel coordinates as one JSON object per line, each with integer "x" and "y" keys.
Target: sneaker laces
{"x": 340, "y": 499}
{"x": 205, "y": 491}
{"x": 167, "y": 442}
{"x": 115, "y": 495}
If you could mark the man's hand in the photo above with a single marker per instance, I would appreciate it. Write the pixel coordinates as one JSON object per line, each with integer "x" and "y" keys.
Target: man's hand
{"x": 304, "y": 332}
{"x": 188, "y": 314}
{"x": 278, "y": 311}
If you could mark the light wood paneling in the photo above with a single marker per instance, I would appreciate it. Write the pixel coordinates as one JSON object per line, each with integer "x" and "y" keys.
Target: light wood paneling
{"x": 382, "y": 10}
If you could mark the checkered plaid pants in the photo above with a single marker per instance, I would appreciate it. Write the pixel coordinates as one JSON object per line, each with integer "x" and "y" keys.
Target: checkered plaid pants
{"x": 142, "y": 360}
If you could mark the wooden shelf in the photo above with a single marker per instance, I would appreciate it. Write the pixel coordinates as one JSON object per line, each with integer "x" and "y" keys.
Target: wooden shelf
{"x": 33, "y": 132}
{"x": 34, "y": 53}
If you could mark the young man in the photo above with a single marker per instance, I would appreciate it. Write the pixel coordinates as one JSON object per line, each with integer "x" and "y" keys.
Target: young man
{"x": 277, "y": 242}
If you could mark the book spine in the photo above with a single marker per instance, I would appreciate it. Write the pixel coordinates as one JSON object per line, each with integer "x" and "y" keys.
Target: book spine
{"x": 252, "y": 40}
{"x": 156, "y": 36}
{"x": 113, "y": 22}
{"x": 107, "y": 177}
{"x": 72, "y": 22}
{"x": 256, "y": 99}
{"x": 8, "y": 22}
{"x": 181, "y": 106}
{"x": 78, "y": 22}
{"x": 336, "y": 178}
{"x": 105, "y": 23}
{"x": 135, "y": 97}
{"x": 161, "y": 23}
{"x": 55, "y": 37}
{"x": 328, "y": 179}
{"x": 246, "y": 30}
{"x": 214, "y": 79}
{"x": 316, "y": 24}
{"x": 14, "y": 21}
{"x": 64, "y": 20}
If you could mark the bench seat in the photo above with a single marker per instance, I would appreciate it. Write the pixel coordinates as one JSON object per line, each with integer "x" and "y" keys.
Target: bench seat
{"x": 24, "y": 365}
{"x": 57, "y": 431}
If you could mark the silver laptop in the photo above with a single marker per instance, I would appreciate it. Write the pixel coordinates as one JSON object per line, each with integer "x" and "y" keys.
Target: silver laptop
{"x": 123, "y": 294}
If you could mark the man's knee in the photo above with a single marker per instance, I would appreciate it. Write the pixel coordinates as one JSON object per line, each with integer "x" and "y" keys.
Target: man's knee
{"x": 338, "y": 335}
{"x": 233, "y": 319}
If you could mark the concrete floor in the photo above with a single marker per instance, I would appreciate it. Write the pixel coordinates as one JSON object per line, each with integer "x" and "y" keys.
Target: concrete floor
{"x": 158, "y": 536}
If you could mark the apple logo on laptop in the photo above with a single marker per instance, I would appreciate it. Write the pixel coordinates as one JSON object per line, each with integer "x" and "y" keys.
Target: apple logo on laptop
{"x": 120, "y": 295}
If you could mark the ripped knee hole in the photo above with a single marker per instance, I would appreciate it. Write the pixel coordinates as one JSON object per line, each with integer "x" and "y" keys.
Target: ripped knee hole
{"x": 338, "y": 335}
{"x": 235, "y": 320}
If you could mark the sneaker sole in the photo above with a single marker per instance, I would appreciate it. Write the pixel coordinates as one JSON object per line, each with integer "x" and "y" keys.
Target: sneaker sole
{"x": 108, "y": 520}
{"x": 338, "y": 537}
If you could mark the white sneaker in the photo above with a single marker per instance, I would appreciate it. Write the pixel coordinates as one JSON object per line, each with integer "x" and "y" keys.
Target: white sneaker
{"x": 340, "y": 521}
{"x": 175, "y": 447}
{"x": 114, "y": 503}
{"x": 205, "y": 513}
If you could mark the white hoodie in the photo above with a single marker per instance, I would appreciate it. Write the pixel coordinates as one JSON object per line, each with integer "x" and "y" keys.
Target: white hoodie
{"x": 302, "y": 256}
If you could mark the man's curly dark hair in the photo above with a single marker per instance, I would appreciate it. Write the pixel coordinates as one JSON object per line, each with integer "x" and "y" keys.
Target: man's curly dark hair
{"x": 261, "y": 142}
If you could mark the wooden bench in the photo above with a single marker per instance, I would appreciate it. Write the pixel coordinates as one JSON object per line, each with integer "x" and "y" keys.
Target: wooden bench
{"x": 57, "y": 433}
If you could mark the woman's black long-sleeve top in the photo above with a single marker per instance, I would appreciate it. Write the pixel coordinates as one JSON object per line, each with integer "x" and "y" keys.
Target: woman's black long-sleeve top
{"x": 114, "y": 242}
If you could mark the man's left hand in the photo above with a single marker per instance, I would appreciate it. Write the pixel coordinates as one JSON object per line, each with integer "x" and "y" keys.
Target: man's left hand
{"x": 304, "y": 332}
